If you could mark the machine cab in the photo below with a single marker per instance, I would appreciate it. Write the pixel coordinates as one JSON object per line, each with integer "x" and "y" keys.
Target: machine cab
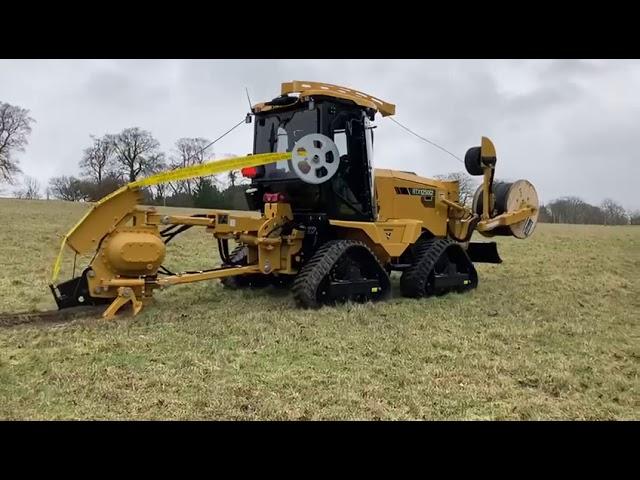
{"x": 279, "y": 124}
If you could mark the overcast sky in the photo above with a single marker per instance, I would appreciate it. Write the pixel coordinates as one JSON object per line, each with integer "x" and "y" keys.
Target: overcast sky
{"x": 571, "y": 127}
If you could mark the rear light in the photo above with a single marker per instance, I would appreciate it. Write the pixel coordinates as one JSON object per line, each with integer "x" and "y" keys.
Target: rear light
{"x": 253, "y": 172}
{"x": 274, "y": 197}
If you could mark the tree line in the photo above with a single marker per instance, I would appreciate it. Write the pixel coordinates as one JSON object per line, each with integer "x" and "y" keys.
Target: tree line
{"x": 112, "y": 160}
{"x": 576, "y": 210}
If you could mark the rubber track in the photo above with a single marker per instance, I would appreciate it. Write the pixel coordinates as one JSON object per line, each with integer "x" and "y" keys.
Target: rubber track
{"x": 306, "y": 283}
{"x": 426, "y": 252}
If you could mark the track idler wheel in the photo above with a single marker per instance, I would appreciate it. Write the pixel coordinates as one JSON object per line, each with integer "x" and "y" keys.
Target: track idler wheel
{"x": 341, "y": 271}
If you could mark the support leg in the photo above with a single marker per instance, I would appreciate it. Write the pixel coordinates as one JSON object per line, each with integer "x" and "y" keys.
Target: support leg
{"x": 125, "y": 295}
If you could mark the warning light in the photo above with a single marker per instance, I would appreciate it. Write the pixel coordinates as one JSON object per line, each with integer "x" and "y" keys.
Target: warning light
{"x": 252, "y": 172}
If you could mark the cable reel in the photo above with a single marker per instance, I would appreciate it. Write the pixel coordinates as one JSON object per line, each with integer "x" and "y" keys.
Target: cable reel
{"x": 315, "y": 158}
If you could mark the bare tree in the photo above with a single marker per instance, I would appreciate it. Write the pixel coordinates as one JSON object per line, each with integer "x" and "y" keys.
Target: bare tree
{"x": 614, "y": 213}
{"x": 98, "y": 159}
{"x": 188, "y": 152}
{"x": 71, "y": 188}
{"x": 160, "y": 193}
{"x": 466, "y": 185}
{"x": 30, "y": 189}
{"x": 157, "y": 164}
{"x": 191, "y": 151}
{"x": 634, "y": 217}
{"x": 544, "y": 214}
{"x": 136, "y": 152}
{"x": 95, "y": 191}
{"x": 15, "y": 126}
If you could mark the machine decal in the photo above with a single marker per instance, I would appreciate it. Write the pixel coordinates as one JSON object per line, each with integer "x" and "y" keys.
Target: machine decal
{"x": 528, "y": 226}
{"x": 428, "y": 194}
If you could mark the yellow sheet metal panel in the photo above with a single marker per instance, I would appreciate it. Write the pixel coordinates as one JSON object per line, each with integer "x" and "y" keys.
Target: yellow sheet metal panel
{"x": 393, "y": 236}
{"x": 403, "y": 195}
{"x": 307, "y": 89}
{"x": 103, "y": 217}
{"x": 487, "y": 149}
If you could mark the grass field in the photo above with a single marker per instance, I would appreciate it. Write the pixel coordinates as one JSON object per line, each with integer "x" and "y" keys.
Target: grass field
{"x": 552, "y": 333}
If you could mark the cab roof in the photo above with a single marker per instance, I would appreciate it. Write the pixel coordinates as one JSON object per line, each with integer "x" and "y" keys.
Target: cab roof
{"x": 310, "y": 89}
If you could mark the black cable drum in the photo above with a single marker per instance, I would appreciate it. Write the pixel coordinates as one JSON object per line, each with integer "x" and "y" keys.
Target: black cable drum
{"x": 509, "y": 197}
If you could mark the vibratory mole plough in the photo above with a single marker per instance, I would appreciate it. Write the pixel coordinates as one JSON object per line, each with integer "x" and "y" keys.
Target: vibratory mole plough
{"x": 323, "y": 222}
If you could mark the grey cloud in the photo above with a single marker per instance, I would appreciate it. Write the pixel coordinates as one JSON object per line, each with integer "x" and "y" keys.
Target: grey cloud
{"x": 563, "y": 69}
{"x": 567, "y": 125}
{"x": 118, "y": 90}
{"x": 544, "y": 98}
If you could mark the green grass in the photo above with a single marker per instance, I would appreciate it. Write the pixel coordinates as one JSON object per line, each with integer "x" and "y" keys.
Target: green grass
{"x": 552, "y": 333}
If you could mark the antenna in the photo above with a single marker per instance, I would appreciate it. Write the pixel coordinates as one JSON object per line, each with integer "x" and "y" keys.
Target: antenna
{"x": 248, "y": 118}
{"x": 248, "y": 98}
